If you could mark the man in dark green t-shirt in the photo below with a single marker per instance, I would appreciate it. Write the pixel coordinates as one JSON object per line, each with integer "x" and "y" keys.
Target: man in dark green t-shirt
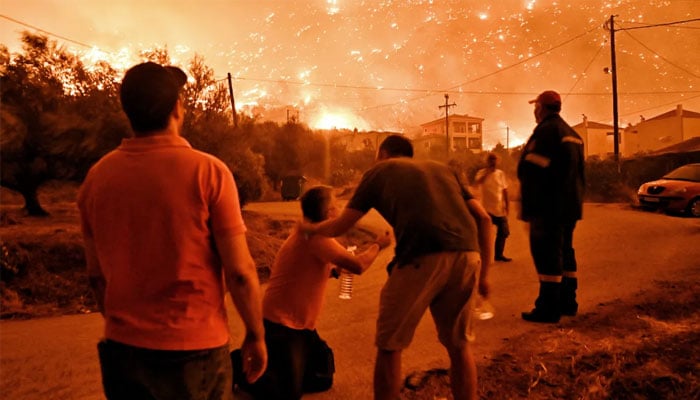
{"x": 441, "y": 256}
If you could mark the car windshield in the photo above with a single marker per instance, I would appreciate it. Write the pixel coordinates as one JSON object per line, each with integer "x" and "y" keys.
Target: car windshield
{"x": 685, "y": 173}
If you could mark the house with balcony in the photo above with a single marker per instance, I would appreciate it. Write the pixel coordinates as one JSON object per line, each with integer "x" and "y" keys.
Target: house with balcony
{"x": 597, "y": 138}
{"x": 661, "y": 131}
{"x": 462, "y": 132}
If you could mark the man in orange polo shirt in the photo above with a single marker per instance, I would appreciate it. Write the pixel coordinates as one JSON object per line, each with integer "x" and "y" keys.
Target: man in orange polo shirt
{"x": 163, "y": 228}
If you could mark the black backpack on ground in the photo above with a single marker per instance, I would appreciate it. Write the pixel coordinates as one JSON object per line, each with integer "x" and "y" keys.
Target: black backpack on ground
{"x": 318, "y": 376}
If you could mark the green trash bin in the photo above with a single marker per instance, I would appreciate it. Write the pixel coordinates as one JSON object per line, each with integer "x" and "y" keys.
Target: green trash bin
{"x": 292, "y": 187}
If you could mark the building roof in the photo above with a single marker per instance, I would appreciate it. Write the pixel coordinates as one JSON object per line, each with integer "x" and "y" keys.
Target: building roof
{"x": 594, "y": 125}
{"x": 442, "y": 120}
{"x": 686, "y": 146}
{"x": 672, "y": 113}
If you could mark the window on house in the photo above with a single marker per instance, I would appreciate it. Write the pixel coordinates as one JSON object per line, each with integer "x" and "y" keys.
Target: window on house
{"x": 459, "y": 142}
{"x": 474, "y": 127}
{"x": 460, "y": 127}
{"x": 475, "y": 143}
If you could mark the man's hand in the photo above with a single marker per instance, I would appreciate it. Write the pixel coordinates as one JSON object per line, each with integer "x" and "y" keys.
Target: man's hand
{"x": 484, "y": 288}
{"x": 306, "y": 228}
{"x": 254, "y": 353}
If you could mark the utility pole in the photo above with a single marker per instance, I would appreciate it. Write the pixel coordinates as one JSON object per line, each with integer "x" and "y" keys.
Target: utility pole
{"x": 233, "y": 101}
{"x": 613, "y": 66}
{"x": 447, "y": 125}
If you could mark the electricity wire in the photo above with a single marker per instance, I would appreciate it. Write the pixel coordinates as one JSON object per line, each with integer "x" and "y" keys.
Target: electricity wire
{"x": 661, "y": 24}
{"x": 46, "y": 32}
{"x": 584, "y": 72}
{"x": 452, "y": 90}
{"x": 491, "y": 73}
{"x": 662, "y": 57}
{"x": 659, "y": 106}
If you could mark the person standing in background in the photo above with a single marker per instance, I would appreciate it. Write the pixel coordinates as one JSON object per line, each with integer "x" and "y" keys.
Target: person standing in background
{"x": 494, "y": 197}
{"x": 162, "y": 227}
{"x": 552, "y": 183}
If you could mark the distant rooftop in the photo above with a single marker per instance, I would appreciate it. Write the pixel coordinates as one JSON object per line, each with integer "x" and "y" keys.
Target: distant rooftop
{"x": 453, "y": 116}
{"x": 594, "y": 125}
{"x": 686, "y": 146}
{"x": 672, "y": 113}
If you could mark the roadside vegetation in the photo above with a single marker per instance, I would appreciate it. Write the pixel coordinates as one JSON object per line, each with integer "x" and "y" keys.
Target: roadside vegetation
{"x": 642, "y": 348}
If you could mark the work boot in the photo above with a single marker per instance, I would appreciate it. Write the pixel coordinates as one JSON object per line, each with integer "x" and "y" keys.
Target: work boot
{"x": 537, "y": 315}
{"x": 569, "y": 306}
{"x": 547, "y": 304}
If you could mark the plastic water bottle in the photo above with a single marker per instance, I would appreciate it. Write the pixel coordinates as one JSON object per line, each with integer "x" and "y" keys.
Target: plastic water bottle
{"x": 346, "y": 278}
{"x": 483, "y": 309}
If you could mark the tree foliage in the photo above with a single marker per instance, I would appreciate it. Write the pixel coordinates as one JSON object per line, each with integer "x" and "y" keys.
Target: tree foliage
{"x": 57, "y": 116}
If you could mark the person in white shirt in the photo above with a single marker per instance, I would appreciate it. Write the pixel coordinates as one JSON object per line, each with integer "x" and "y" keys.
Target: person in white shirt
{"x": 494, "y": 197}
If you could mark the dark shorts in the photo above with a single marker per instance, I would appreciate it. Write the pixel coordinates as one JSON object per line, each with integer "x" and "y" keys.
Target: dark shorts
{"x": 133, "y": 373}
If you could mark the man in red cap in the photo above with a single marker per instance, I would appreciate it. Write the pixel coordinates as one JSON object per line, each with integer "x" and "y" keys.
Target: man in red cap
{"x": 162, "y": 227}
{"x": 551, "y": 174}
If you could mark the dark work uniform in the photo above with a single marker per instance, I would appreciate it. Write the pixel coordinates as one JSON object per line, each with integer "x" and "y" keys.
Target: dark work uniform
{"x": 551, "y": 174}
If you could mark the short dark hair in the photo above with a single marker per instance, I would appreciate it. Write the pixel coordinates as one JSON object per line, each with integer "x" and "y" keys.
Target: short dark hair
{"x": 397, "y": 146}
{"x": 314, "y": 203}
{"x": 148, "y": 94}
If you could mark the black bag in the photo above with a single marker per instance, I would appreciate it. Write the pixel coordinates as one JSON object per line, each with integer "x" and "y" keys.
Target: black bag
{"x": 320, "y": 368}
{"x": 318, "y": 376}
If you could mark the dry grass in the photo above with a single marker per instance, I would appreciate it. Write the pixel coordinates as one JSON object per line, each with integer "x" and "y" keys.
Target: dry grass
{"x": 647, "y": 347}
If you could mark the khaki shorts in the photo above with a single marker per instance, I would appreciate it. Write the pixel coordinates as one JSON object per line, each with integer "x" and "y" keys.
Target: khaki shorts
{"x": 443, "y": 282}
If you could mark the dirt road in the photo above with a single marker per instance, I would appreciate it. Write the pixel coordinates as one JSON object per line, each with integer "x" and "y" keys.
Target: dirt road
{"x": 620, "y": 251}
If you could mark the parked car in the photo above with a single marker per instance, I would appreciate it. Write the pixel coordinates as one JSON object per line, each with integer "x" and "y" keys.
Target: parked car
{"x": 678, "y": 191}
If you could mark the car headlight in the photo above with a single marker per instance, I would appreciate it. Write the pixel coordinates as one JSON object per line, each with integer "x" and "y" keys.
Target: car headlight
{"x": 641, "y": 189}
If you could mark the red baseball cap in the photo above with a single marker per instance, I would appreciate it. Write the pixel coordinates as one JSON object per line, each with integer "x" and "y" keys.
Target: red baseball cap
{"x": 547, "y": 98}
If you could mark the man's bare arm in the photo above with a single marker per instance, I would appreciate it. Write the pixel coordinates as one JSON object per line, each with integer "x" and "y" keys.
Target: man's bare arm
{"x": 244, "y": 286}
{"x": 485, "y": 234}
{"x": 96, "y": 280}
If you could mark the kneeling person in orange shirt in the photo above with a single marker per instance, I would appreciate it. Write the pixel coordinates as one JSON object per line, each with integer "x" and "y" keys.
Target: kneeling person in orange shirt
{"x": 294, "y": 297}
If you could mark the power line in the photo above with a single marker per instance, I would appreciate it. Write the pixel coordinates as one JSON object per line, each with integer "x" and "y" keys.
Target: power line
{"x": 489, "y": 74}
{"x": 45, "y": 31}
{"x": 71, "y": 40}
{"x": 661, "y": 105}
{"x": 661, "y": 24}
{"x": 584, "y": 71}
{"x": 334, "y": 85}
{"x": 562, "y": 44}
{"x": 458, "y": 92}
{"x": 662, "y": 57}
{"x": 644, "y": 25}
{"x": 451, "y": 90}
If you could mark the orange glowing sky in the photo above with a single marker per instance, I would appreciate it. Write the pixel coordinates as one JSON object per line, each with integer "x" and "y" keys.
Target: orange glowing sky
{"x": 386, "y": 65}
